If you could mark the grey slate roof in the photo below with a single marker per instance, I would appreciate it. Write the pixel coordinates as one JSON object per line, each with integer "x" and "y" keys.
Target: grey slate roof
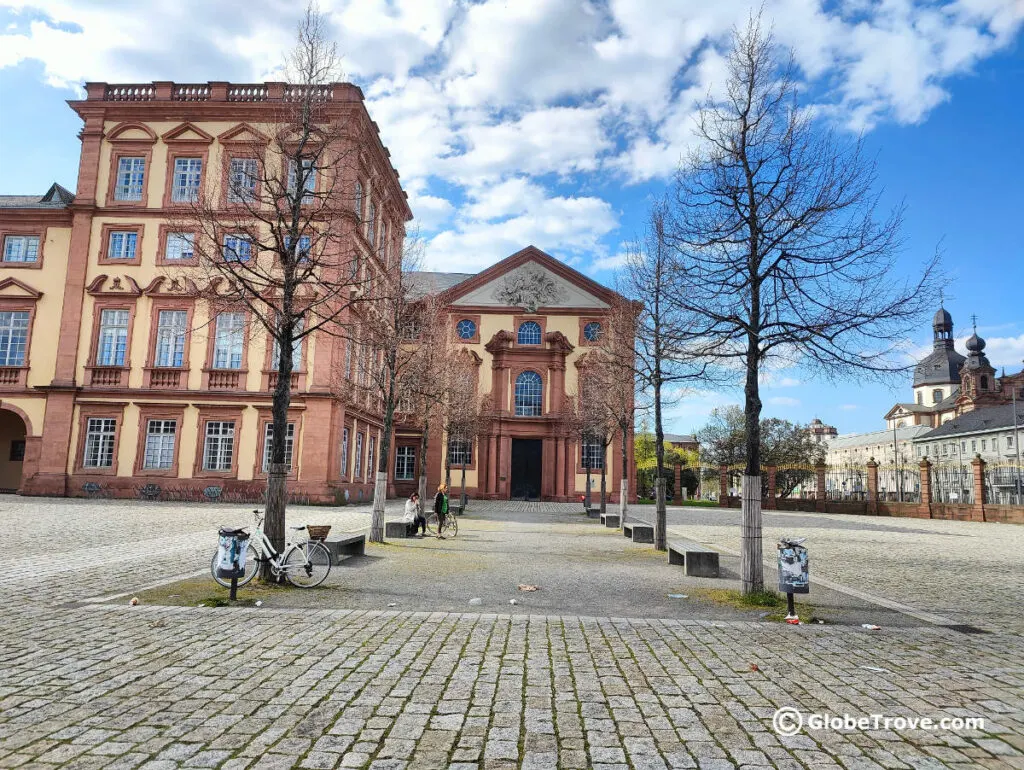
{"x": 680, "y": 438}
{"x": 423, "y": 282}
{"x": 56, "y": 197}
{"x": 855, "y": 440}
{"x": 979, "y": 420}
{"x": 940, "y": 367}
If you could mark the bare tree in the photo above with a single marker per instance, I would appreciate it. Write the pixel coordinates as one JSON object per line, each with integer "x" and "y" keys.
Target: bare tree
{"x": 276, "y": 240}
{"x": 780, "y": 252}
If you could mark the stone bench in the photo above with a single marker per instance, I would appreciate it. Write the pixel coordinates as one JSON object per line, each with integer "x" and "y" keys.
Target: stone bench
{"x": 398, "y": 529}
{"x": 592, "y": 513}
{"x": 346, "y": 545}
{"x": 640, "y": 533}
{"x": 698, "y": 560}
{"x": 610, "y": 520}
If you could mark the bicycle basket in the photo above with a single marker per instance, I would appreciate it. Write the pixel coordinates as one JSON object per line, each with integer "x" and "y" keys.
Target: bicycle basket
{"x": 318, "y": 531}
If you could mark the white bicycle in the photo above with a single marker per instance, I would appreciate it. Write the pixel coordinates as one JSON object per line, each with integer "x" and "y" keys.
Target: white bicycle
{"x": 304, "y": 564}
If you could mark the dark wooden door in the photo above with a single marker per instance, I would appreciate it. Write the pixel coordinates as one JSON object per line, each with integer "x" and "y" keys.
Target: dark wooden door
{"x": 527, "y": 456}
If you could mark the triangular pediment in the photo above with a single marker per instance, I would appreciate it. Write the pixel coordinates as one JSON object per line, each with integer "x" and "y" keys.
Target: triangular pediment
{"x": 12, "y": 288}
{"x": 243, "y": 133}
{"x": 531, "y": 279}
{"x": 187, "y": 132}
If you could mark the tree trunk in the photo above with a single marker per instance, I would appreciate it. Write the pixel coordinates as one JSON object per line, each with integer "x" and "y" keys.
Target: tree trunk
{"x": 462, "y": 495}
{"x": 424, "y": 445}
{"x": 380, "y": 488}
{"x": 604, "y": 488}
{"x": 277, "y": 470}
{"x": 751, "y": 555}
{"x": 586, "y": 496}
{"x": 624, "y": 483}
{"x": 660, "y": 519}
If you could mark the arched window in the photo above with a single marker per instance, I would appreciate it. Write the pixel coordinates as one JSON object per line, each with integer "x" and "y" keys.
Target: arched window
{"x": 466, "y": 329}
{"x": 529, "y": 393}
{"x": 592, "y": 331}
{"x": 529, "y": 333}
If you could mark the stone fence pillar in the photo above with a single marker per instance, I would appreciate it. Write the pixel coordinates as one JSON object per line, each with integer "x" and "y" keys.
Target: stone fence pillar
{"x": 978, "y": 509}
{"x": 723, "y": 486}
{"x": 872, "y": 486}
{"x": 770, "y": 504}
{"x": 677, "y": 496}
{"x": 926, "y": 488}
{"x": 819, "y": 485}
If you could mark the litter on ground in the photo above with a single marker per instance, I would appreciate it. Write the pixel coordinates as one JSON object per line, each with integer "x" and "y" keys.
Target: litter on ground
{"x": 870, "y": 627}
{"x": 528, "y": 587}
{"x": 677, "y": 596}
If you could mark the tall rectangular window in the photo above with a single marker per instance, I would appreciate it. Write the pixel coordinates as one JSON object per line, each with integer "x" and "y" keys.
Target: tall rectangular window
{"x": 369, "y": 455}
{"x": 303, "y": 247}
{"x": 344, "y": 451}
{"x": 275, "y": 354}
{"x": 170, "y": 338}
{"x": 242, "y": 176}
{"x": 460, "y": 452}
{"x": 113, "y": 340}
{"x": 219, "y": 445}
{"x": 160, "y": 435}
{"x": 289, "y": 443}
{"x": 121, "y": 244}
{"x": 131, "y": 175}
{"x": 99, "y": 442}
{"x": 237, "y": 248}
{"x": 371, "y": 225}
{"x": 21, "y": 248}
{"x": 405, "y": 463}
{"x": 188, "y": 174}
{"x": 308, "y": 182}
{"x": 180, "y": 246}
{"x": 13, "y": 337}
{"x": 592, "y": 453}
{"x": 228, "y": 341}
{"x": 357, "y": 466}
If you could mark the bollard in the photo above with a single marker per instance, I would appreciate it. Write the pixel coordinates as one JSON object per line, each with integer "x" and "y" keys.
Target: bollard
{"x": 233, "y": 547}
{"x": 794, "y": 576}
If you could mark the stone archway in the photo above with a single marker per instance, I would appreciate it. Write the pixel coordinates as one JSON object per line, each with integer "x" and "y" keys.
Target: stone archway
{"x": 13, "y": 433}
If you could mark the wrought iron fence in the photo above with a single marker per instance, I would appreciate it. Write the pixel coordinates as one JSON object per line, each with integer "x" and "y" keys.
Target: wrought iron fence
{"x": 846, "y": 483}
{"x": 953, "y": 484}
{"x": 795, "y": 482}
{"x": 1004, "y": 484}
{"x": 899, "y": 484}
{"x": 709, "y": 482}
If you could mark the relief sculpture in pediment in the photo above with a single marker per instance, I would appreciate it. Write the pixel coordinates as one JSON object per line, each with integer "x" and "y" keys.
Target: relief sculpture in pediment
{"x": 529, "y": 288}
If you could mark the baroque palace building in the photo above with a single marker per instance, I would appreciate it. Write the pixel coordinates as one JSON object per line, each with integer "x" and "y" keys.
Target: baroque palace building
{"x": 115, "y": 380}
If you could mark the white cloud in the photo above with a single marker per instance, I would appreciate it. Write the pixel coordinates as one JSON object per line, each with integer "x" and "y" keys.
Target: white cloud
{"x": 1006, "y": 352}
{"x": 848, "y": 407}
{"x": 782, "y": 401}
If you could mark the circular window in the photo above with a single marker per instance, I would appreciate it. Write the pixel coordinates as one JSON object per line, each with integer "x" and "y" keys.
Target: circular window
{"x": 592, "y": 331}
{"x": 466, "y": 329}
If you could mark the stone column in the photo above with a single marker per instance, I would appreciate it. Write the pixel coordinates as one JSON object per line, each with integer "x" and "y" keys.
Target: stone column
{"x": 872, "y": 486}
{"x": 677, "y": 498}
{"x": 926, "y": 488}
{"x": 560, "y": 468}
{"x": 492, "y": 466}
{"x": 819, "y": 483}
{"x": 770, "y": 504}
{"x": 723, "y": 486}
{"x": 978, "y": 509}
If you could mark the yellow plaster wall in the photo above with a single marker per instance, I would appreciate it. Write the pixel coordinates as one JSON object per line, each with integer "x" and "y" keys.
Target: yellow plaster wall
{"x": 50, "y": 281}
{"x": 34, "y": 408}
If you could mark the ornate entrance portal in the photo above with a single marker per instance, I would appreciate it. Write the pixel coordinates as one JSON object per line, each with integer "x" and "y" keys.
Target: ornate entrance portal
{"x": 527, "y": 461}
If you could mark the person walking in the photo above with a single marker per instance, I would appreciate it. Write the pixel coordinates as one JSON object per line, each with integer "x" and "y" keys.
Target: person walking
{"x": 413, "y": 516}
{"x": 441, "y": 507}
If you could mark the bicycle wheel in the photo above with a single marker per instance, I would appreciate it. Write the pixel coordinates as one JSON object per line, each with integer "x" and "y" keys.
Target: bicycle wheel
{"x": 307, "y": 564}
{"x": 451, "y": 526}
{"x": 252, "y": 566}
{"x": 432, "y": 523}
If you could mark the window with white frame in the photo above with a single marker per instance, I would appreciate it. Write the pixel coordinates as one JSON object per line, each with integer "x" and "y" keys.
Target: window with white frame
{"x": 593, "y": 453}
{"x": 131, "y": 176}
{"x": 344, "y": 451}
{"x": 308, "y": 179}
{"x": 405, "y": 463}
{"x": 460, "y": 452}
{"x": 242, "y": 176}
{"x": 159, "y": 452}
{"x": 275, "y": 354}
{"x": 303, "y": 248}
{"x": 529, "y": 394}
{"x": 229, "y": 339}
{"x": 188, "y": 175}
{"x": 237, "y": 248}
{"x": 219, "y": 445}
{"x": 371, "y": 446}
{"x": 13, "y": 337}
{"x": 529, "y": 333}
{"x": 180, "y": 246}
{"x": 21, "y": 248}
{"x": 112, "y": 344}
{"x": 99, "y": 442}
{"x": 371, "y": 225}
{"x": 289, "y": 443}
{"x": 121, "y": 244}
{"x": 357, "y": 466}
{"x": 170, "y": 338}
{"x": 358, "y": 201}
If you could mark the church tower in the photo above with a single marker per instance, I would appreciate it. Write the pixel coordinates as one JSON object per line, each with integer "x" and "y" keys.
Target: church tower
{"x": 978, "y": 385}
{"x": 937, "y": 374}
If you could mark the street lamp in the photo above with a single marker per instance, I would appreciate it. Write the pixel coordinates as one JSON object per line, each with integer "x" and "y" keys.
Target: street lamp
{"x": 1016, "y": 442}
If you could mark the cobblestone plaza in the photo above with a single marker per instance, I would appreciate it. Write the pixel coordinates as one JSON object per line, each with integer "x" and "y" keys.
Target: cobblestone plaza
{"x": 346, "y": 681}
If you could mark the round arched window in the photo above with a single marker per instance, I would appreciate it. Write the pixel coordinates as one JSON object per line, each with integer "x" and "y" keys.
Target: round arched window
{"x": 466, "y": 329}
{"x": 529, "y": 333}
{"x": 592, "y": 331}
{"x": 529, "y": 394}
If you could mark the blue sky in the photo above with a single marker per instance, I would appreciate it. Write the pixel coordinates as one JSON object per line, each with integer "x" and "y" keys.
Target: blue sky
{"x": 554, "y": 122}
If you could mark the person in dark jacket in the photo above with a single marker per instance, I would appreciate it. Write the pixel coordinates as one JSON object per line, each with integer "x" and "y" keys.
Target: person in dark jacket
{"x": 441, "y": 507}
